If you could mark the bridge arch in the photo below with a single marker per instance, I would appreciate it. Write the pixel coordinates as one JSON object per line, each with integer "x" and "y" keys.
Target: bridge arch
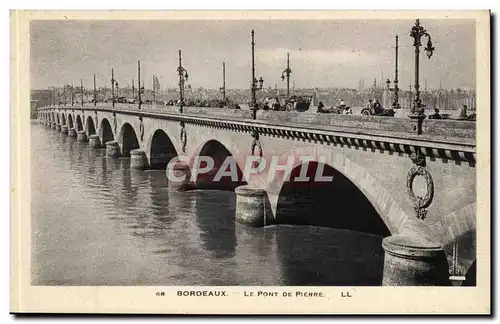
{"x": 127, "y": 139}
{"x": 58, "y": 119}
{"x": 336, "y": 202}
{"x": 79, "y": 124}
{"x": 224, "y": 160}
{"x": 105, "y": 131}
{"x": 89, "y": 126}
{"x": 63, "y": 117}
{"x": 70, "y": 121}
{"x": 161, "y": 149}
{"x": 352, "y": 175}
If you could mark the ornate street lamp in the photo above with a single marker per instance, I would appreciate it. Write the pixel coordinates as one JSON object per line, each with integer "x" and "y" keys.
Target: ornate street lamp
{"x": 286, "y": 73}
{"x": 417, "y": 111}
{"x": 113, "y": 81}
{"x": 183, "y": 77}
{"x": 395, "y": 89}
{"x": 81, "y": 87}
{"x": 223, "y": 88}
{"x": 256, "y": 84}
{"x": 140, "y": 89}
{"x": 95, "y": 93}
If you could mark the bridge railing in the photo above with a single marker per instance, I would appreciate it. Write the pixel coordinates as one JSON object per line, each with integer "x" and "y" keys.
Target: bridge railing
{"x": 431, "y": 127}
{"x": 375, "y": 125}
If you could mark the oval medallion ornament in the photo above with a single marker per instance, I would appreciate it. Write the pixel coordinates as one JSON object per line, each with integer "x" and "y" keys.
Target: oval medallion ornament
{"x": 420, "y": 203}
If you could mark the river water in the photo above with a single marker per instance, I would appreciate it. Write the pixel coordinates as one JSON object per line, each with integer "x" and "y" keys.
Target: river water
{"x": 97, "y": 222}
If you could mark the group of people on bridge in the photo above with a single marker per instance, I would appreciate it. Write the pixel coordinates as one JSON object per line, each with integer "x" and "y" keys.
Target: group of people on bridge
{"x": 342, "y": 108}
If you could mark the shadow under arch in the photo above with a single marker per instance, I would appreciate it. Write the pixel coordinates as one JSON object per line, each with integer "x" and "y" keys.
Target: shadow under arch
{"x": 162, "y": 150}
{"x": 58, "y": 119}
{"x": 79, "y": 125}
{"x": 471, "y": 276}
{"x": 105, "y": 131}
{"x": 63, "y": 117}
{"x": 90, "y": 126}
{"x": 336, "y": 204}
{"x": 342, "y": 244}
{"x": 70, "y": 121}
{"x": 127, "y": 139}
{"x": 219, "y": 153}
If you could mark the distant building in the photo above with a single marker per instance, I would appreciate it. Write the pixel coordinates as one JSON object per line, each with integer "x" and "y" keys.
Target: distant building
{"x": 39, "y": 98}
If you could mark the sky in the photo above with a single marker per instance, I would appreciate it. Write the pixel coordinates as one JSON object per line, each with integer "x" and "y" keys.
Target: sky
{"x": 323, "y": 53}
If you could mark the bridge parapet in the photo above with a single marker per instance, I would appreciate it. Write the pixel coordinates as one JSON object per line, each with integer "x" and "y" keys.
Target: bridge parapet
{"x": 431, "y": 127}
{"x": 447, "y": 139}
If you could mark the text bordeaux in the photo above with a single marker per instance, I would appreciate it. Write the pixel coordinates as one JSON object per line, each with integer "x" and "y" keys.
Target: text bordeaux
{"x": 199, "y": 293}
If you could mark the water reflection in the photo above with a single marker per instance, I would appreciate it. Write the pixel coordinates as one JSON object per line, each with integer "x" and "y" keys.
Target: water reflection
{"x": 320, "y": 256}
{"x": 217, "y": 230}
{"x": 129, "y": 190}
{"x": 160, "y": 197}
{"x": 258, "y": 241}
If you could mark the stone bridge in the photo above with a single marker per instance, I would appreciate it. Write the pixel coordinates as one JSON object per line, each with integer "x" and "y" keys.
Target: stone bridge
{"x": 417, "y": 189}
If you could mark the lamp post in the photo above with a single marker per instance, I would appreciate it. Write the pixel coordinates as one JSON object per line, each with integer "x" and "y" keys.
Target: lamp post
{"x": 395, "y": 89}
{"x": 256, "y": 84}
{"x": 183, "y": 77}
{"x": 113, "y": 86}
{"x": 286, "y": 72}
{"x": 140, "y": 89}
{"x": 95, "y": 93}
{"x": 133, "y": 89}
{"x": 417, "y": 32}
{"x": 223, "y": 88}
{"x": 117, "y": 92}
{"x": 81, "y": 87}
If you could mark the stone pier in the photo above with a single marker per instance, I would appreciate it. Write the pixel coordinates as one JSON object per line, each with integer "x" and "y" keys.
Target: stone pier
{"x": 412, "y": 260}
{"x": 94, "y": 141}
{"x": 112, "y": 149}
{"x": 180, "y": 170}
{"x": 58, "y": 127}
{"x": 72, "y": 132}
{"x": 64, "y": 129}
{"x": 81, "y": 137}
{"x": 138, "y": 160}
{"x": 252, "y": 206}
